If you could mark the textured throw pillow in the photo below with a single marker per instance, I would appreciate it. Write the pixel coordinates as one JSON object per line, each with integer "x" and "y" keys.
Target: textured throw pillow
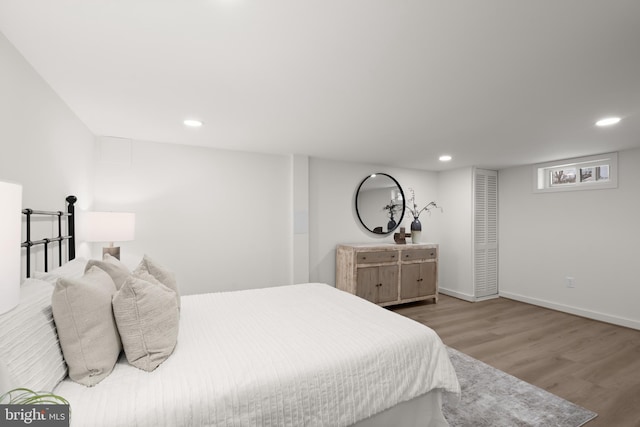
{"x": 30, "y": 355}
{"x": 112, "y": 265}
{"x": 87, "y": 330}
{"x": 164, "y": 276}
{"x": 146, "y": 313}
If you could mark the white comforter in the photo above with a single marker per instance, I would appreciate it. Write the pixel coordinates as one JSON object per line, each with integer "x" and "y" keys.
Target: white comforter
{"x": 301, "y": 355}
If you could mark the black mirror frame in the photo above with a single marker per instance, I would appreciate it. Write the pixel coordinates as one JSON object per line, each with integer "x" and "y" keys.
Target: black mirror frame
{"x": 384, "y": 233}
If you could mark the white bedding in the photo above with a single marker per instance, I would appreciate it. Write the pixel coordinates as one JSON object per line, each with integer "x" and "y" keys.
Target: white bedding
{"x": 301, "y": 355}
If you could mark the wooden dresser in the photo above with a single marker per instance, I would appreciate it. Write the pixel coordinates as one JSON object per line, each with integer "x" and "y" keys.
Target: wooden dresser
{"x": 388, "y": 274}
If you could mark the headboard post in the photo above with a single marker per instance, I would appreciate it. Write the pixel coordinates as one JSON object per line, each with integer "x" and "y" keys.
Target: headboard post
{"x": 27, "y": 243}
{"x": 71, "y": 228}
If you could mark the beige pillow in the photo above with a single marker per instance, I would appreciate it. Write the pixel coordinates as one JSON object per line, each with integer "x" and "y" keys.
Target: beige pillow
{"x": 86, "y": 326}
{"x": 112, "y": 265}
{"x": 164, "y": 276}
{"x": 146, "y": 313}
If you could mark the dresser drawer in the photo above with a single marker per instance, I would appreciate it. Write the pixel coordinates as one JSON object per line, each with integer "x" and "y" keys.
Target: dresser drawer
{"x": 376, "y": 257}
{"x": 418, "y": 254}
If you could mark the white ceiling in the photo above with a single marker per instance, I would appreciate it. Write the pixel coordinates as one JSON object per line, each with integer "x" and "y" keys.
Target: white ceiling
{"x": 494, "y": 83}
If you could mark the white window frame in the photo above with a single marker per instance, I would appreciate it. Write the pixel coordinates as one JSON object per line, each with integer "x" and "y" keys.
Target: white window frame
{"x": 542, "y": 173}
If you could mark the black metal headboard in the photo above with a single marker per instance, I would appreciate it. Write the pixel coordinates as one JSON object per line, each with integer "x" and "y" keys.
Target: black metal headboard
{"x": 71, "y": 245}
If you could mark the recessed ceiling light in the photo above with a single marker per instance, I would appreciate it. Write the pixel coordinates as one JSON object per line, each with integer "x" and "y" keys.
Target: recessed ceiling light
{"x": 445, "y": 158}
{"x": 608, "y": 121}
{"x": 193, "y": 123}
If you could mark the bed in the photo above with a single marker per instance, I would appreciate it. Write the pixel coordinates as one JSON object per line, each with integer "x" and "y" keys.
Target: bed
{"x": 297, "y": 355}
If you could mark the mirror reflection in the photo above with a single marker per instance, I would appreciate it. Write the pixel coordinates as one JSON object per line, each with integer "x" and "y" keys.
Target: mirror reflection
{"x": 380, "y": 203}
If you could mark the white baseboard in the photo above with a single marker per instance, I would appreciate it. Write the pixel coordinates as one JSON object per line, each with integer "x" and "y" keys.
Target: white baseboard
{"x": 603, "y": 317}
{"x": 457, "y": 294}
{"x": 465, "y": 297}
{"x": 488, "y": 297}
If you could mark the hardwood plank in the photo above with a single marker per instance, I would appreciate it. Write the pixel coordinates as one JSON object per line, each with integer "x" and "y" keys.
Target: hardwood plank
{"x": 592, "y": 364}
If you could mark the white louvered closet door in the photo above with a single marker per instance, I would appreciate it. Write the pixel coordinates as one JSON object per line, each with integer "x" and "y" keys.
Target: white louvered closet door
{"x": 485, "y": 236}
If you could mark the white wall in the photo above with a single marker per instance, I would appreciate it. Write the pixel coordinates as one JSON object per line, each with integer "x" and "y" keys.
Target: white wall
{"x": 222, "y": 220}
{"x": 43, "y": 145}
{"x": 455, "y": 189}
{"x": 332, "y": 215}
{"x": 589, "y": 235}
{"x": 300, "y": 209}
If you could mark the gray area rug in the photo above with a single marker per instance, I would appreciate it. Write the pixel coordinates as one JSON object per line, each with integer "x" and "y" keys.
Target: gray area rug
{"x": 492, "y": 398}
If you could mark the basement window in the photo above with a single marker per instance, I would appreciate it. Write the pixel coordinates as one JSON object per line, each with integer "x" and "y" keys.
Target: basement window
{"x": 580, "y": 173}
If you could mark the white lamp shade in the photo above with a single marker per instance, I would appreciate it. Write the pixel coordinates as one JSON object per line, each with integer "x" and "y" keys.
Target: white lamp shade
{"x": 109, "y": 226}
{"x": 10, "y": 240}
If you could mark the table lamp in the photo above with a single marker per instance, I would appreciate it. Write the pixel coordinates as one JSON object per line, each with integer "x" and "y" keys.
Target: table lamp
{"x": 110, "y": 227}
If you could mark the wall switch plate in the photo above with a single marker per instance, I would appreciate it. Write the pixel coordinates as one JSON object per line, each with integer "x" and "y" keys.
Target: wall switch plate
{"x": 570, "y": 282}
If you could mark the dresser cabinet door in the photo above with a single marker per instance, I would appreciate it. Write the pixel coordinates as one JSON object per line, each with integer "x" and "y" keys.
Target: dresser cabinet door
{"x": 378, "y": 284}
{"x": 418, "y": 280}
{"x": 367, "y": 283}
{"x": 388, "y": 286}
{"x": 429, "y": 276}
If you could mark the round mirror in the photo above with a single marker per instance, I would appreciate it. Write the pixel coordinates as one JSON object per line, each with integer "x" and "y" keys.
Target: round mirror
{"x": 380, "y": 203}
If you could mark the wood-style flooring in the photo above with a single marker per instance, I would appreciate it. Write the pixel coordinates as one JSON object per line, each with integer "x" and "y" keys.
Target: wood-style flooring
{"x": 593, "y": 364}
